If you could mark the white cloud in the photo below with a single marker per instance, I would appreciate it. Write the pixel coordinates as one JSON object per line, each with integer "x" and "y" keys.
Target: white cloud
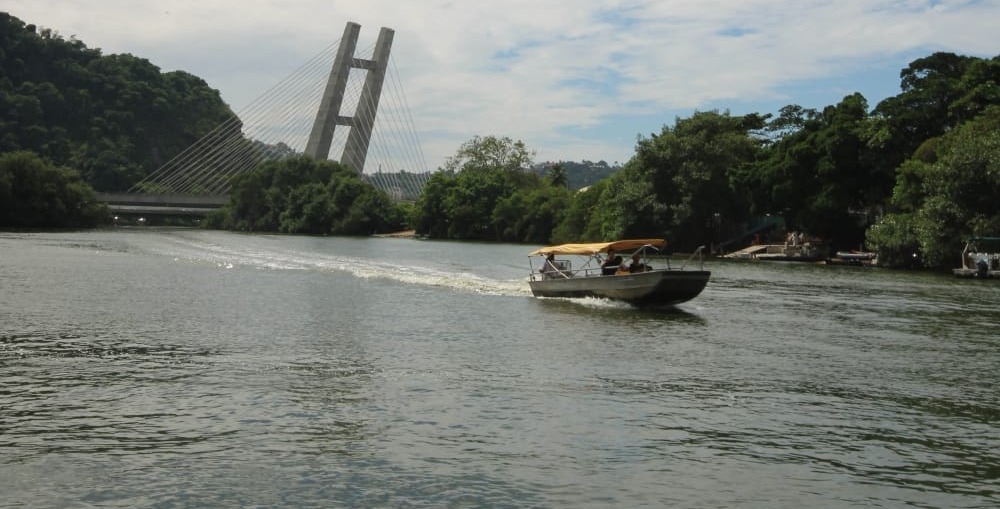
{"x": 564, "y": 75}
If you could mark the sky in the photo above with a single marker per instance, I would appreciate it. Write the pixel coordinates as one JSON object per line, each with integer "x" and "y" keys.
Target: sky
{"x": 573, "y": 79}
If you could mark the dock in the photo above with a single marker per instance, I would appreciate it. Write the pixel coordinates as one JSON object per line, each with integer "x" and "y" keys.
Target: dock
{"x": 779, "y": 253}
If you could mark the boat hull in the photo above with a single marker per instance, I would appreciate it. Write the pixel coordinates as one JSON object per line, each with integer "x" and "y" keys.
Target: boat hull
{"x": 657, "y": 287}
{"x": 976, "y": 273}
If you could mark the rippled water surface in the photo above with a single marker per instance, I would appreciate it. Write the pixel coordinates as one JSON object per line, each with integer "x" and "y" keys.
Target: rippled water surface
{"x": 186, "y": 368}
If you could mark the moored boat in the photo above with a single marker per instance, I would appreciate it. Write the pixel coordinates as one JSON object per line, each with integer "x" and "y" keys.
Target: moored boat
{"x": 811, "y": 252}
{"x": 597, "y": 274}
{"x": 862, "y": 258}
{"x": 980, "y": 258}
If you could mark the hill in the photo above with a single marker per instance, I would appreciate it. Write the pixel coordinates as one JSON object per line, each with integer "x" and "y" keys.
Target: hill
{"x": 113, "y": 118}
{"x": 578, "y": 174}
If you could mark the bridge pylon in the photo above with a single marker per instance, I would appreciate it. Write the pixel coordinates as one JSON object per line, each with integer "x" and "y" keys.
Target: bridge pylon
{"x": 363, "y": 121}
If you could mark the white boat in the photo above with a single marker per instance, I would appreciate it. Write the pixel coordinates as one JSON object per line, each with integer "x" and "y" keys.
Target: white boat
{"x": 862, "y": 258}
{"x": 980, "y": 258}
{"x": 658, "y": 286}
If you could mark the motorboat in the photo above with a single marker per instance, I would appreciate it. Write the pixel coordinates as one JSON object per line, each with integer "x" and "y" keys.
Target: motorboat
{"x": 595, "y": 273}
{"x": 980, "y": 258}
{"x": 862, "y": 258}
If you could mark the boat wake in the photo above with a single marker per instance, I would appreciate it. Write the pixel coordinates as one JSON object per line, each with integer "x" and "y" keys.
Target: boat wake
{"x": 230, "y": 257}
{"x": 590, "y": 302}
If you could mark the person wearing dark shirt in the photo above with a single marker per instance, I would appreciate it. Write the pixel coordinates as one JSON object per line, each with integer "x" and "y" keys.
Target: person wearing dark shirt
{"x": 610, "y": 264}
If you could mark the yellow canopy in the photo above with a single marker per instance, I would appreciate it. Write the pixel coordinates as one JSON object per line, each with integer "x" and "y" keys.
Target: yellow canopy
{"x": 598, "y": 247}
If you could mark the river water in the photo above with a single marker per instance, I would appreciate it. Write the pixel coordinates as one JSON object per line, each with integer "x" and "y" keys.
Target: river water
{"x": 187, "y": 368}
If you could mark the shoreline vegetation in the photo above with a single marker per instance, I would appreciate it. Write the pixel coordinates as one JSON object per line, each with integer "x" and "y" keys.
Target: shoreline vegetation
{"x": 910, "y": 178}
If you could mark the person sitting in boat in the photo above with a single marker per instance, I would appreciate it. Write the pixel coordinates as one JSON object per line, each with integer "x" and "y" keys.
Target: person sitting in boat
{"x": 549, "y": 268}
{"x": 611, "y": 264}
{"x": 983, "y": 265}
{"x": 637, "y": 265}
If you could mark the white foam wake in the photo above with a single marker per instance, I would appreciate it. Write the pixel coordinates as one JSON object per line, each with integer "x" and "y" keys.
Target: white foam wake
{"x": 229, "y": 257}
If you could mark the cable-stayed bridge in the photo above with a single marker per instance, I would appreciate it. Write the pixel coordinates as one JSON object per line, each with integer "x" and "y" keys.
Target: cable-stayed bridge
{"x": 336, "y": 103}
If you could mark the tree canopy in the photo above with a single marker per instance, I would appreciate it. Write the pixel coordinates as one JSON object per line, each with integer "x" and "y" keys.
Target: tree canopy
{"x": 302, "y": 195}
{"x": 37, "y": 194}
{"x": 679, "y": 183}
{"x": 822, "y": 176}
{"x": 951, "y": 194}
{"x": 486, "y": 192}
{"x": 486, "y": 153}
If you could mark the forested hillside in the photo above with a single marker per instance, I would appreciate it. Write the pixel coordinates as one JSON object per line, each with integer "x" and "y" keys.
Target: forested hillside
{"x": 578, "y": 174}
{"x": 113, "y": 118}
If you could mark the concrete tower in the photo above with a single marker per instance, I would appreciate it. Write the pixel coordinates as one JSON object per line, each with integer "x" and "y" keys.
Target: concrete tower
{"x": 363, "y": 121}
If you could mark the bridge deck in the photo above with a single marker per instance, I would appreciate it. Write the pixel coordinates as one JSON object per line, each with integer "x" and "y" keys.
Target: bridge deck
{"x": 168, "y": 204}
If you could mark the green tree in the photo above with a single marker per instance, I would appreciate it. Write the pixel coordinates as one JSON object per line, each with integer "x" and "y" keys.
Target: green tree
{"x": 470, "y": 204}
{"x": 531, "y": 214}
{"x": 307, "y": 210}
{"x": 461, "y": 202}
{"x": 938, "y": 93}
{"x": 37, "y": 194}
{"x": 429, "y": 215}
{"x": 580, "y": 222}
{"x": 629, "y": 207}
{"x": 894, "y": 238}
{"x": 557, "y": 175}
{"x": 681, "y": 180}
{"x": 302, "y": 195}
{"x": 822, "y": 178}
{"x": 490, "y": 153}
{"x": 980, "y": 88}
{"x": 945, "y": 197}
{"x": 930, "y": 86}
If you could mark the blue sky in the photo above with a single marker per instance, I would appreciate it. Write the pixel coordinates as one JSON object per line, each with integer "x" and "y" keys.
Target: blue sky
{"x": 573, "y": 79}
